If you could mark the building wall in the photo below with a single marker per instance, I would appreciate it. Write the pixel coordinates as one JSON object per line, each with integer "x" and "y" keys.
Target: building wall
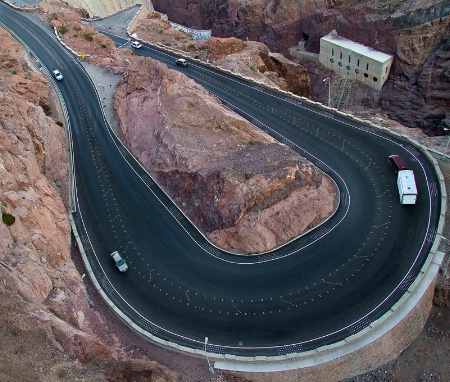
{"x": 355, "y": 66}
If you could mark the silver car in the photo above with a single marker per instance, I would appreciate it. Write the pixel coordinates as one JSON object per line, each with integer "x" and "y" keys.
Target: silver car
{"x": 136, "y": 44}
{"x": 120, "y": 263}
{"x": 58, "y": 75}
{"x": 181, "y": 62}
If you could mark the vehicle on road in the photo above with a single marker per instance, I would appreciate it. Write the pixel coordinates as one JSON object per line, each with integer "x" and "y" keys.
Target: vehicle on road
{"x": 407, "y": 188}
{"x": 406, "y": 182}
{"x": 397, "y": 163}
{"x": 58, "y": 75}
{"x": 136, "y": 44}
{"x": 120, "y": 263}
{"x": 181, "y": 62}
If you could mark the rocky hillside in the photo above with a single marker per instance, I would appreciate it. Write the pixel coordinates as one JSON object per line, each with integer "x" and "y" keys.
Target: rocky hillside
{"x": 248, "y": 58}
{"x": 247, "y": 192}
{"x": 416, "y": 32}
{"x": 48, "y": 330}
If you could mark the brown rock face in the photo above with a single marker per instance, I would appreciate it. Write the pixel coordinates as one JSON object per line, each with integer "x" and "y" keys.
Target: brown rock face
{"x": 274, "y": 23}
{"x": 97, "y": 48}
{"x": 418, "y": 96}
{"x": 35, "y": 265}
{"x": 414, "y": 32}
{"x": 254, "y": 60}
{"x": 237, "y": 184}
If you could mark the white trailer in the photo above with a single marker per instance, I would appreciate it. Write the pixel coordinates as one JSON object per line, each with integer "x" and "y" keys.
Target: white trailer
{"x": 407, "y": 188}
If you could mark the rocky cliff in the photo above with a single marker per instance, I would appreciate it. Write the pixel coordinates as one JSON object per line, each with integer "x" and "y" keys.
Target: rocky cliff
{"x": 415, "y": 32}
{"x": 48, "y": 330}
{"x": 247, "y": 192}
{"x": 37, "y": 274}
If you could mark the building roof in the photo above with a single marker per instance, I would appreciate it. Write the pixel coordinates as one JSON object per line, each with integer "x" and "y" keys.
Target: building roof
{"x": 376, "y": 55}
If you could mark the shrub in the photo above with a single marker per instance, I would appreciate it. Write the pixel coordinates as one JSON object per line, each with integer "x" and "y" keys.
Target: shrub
{"x": 62, "y": 30}
{"x": 62, "y": 373}
{"x": 88, "y": 37}
{"x": 47, "y": 109}
{"x": 59, "y": 123}
{"x": 8, "y": 219}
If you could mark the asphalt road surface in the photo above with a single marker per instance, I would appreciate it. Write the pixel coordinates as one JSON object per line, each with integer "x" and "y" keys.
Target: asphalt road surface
{"x": 316, "y": 290}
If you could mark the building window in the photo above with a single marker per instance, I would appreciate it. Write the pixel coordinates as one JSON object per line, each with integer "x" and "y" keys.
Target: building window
{"x": 357, "y": 71}
{"x": 348, "y": 67}
{"x": 357, "y": 64}
{"x": 375, "y": 79}
{"x": 366, "y": 75}
{"x": 332, "y": 51}
{"x": 367, "y": 66}
{"x": 387, "y": 67}
{"x": 340, "y": 63}
{"x": 349, "y": 59}
{"x": 340, "y": 55}
{"x": 331, "y": 60}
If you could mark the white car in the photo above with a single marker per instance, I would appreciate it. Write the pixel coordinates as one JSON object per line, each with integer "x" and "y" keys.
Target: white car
{"x": 58, "y": 75}
{"x": 181, "y": 62}
{"x": 120, "y": 263}
{"x": 136, "y": 44}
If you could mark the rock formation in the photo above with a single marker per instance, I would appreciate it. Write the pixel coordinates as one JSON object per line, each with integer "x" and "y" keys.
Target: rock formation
{"x": 413, "y": 31}
{"x": 35, "y": 265}
{"x": 254, "y": 60}
{"x": 245, "y": 190}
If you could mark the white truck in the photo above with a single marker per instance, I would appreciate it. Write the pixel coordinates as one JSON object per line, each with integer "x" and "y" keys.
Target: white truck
{"x": 407, "y": 188}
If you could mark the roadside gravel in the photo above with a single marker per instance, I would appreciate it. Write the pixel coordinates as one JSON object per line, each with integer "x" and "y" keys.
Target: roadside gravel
{"x": 105, "y": 82}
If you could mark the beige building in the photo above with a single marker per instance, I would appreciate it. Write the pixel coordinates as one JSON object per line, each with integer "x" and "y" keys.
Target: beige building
{"x": 355, "y": 61}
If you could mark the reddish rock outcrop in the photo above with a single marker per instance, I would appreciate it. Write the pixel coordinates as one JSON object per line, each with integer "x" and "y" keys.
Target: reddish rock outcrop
{"x": 254, "y": 60}
{"x": 35, "y": 265}
{"x": 246, "y": 191}
{"x": 85, "y": 39}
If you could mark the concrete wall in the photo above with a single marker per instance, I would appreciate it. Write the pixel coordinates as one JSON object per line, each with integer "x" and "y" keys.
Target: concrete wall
{"x": 105, "y": 8}
{"x": 197, "y": 34}
{"x": 372, "y": 356}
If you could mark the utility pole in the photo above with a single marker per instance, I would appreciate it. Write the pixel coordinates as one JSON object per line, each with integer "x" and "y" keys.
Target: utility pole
{"x": 210, "y": 368}
{"x": 329, "y": 89}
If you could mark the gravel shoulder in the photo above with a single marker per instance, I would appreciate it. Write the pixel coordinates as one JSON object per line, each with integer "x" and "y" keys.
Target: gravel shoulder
{"x": 105, "y": 82}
